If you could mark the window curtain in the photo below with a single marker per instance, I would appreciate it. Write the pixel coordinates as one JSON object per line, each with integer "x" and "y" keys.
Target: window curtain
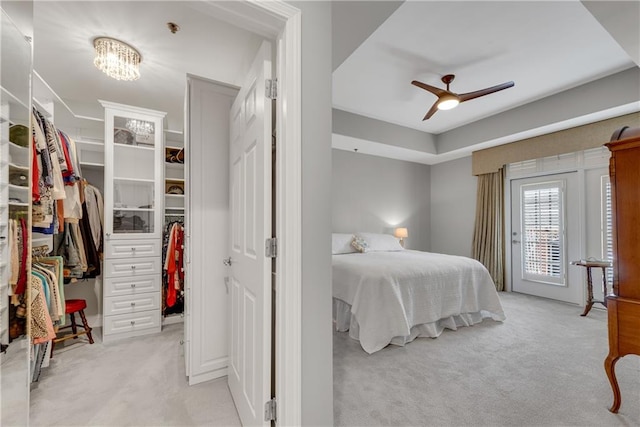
{"x": 488, "y": 233}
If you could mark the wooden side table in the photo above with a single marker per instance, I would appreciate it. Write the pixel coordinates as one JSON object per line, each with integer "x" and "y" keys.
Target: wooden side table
{"x": 589, "y": 264}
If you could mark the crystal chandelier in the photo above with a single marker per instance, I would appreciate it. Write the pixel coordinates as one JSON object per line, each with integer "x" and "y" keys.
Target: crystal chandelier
{"x": 140, "y": 128}
{"x": 116, "y": 59}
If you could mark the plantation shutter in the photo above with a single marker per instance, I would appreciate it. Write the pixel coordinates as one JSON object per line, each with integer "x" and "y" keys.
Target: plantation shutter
{"x": 607, "y": 225}
{"x": 543, "y": 232}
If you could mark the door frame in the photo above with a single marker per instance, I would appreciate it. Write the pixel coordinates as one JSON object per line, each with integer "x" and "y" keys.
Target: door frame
{"x": 572, "y": 291}
{"x": 281, "y": 22}
{"x": 580, "y": 161}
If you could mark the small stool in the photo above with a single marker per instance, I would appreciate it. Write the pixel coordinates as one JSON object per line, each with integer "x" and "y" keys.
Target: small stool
{"x": 73, "y": 306}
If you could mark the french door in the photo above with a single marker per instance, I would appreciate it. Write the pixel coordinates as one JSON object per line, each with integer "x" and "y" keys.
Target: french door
{"x": 545, "y": 237}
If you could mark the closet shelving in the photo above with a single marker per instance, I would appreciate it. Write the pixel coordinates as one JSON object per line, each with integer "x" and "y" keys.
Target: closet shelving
{"x": 174, "y": 175}
{"x": 174, "y": 201}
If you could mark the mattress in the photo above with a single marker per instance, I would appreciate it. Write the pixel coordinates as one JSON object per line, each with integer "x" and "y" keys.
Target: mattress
{"x": 395, "y": 297}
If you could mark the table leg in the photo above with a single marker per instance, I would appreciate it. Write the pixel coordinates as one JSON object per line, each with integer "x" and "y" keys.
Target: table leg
{"x": 604, "y": 286}
{"x": 589, "y": 293}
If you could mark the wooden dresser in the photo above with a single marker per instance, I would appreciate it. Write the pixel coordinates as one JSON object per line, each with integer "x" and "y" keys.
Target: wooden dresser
{"x": 623, "y": 305}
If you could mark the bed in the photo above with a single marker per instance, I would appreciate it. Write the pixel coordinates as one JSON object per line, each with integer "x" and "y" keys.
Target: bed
{"x": 394, "y": 296}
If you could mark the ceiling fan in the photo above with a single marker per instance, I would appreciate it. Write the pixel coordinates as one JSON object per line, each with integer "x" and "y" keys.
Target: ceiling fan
{"x": 448, "y": 100}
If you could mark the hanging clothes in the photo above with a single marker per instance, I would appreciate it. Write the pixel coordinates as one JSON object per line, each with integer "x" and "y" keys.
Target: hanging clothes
{"x": 173, "y": 271}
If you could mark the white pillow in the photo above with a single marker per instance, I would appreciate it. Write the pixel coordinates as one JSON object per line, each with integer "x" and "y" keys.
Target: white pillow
{"x": 341, "y": 243}
{"x": 380, "y": 242}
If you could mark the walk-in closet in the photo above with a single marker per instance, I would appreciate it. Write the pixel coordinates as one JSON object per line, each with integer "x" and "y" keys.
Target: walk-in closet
{"x": 120, "y": 191}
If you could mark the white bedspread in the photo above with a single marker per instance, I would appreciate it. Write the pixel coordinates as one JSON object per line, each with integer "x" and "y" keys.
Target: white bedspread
{"x": 406, "y": 294}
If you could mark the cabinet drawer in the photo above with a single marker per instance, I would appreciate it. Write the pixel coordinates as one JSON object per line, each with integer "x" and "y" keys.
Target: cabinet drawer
{"x": 131, "y": 285}
{"x": 122, "y": 323}
{"x": 132, "y": 248}
{"x": 131, "y": 303}
{"x": 131, "y": 267}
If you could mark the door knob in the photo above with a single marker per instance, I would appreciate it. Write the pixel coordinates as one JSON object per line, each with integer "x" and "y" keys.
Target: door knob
{"x": 515, "y": 241}
{"x": 227, "y": 261}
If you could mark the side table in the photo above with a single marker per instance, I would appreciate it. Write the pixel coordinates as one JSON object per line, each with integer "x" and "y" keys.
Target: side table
{"x": 589, "y": 264}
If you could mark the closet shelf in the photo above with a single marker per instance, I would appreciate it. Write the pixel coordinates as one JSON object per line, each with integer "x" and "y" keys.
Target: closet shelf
{"x": 12, "y": 98}
{"x": 13, "y": 165}
{"x": 116, "y": 209}
{"x": 18, "y": 187}
{"x": 171, "y": 208}
{"x": 133, "y": 147}
{"x": 173, "y": 214}
{"x": 42, "y": 108}
{"x": 176, "y": 196}
{"x": 18, "y": 204}
{"x": 145, "y": 180}
{"x": 173, "y": 165}
{"x": 14, "y": 146}
{"x": 87, "y": 142}
{"x": 92, "y": 165}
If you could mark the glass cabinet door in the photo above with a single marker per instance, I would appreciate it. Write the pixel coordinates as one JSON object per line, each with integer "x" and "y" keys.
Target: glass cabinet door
{"x": 133, "y": 175}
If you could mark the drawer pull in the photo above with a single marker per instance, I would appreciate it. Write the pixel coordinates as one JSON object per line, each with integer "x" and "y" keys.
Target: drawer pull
{"x": 133, "y": 304}
{"x": 133, "y": 322}
{"x": 133, "y": 267}
{"x": 133, "y": 249}
{"x": 133, "y": 285}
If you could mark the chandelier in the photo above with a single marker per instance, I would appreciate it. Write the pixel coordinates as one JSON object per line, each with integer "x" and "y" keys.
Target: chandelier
{"x": 140, "y": 128}
{"x": 116, "y": 59}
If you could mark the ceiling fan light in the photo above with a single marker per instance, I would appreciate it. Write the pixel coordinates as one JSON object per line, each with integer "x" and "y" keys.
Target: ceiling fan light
{"x": 447, "y": 103}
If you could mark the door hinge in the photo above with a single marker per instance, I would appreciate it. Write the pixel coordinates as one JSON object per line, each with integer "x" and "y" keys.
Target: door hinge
{"x": 270, "y": 409}
{"x": 271, "y": 247}
{"x": 271, "y": 88}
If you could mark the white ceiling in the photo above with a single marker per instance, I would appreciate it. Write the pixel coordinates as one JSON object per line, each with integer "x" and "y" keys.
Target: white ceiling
{"x": 545, "y": 47}
{"x": 204, "y": 46}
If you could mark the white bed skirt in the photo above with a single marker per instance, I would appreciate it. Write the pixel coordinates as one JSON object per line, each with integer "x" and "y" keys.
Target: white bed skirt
{"x": 345, "y": 321}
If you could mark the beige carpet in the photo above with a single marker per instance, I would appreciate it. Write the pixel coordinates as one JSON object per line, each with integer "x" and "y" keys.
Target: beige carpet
{"x": 133, "y": 382}
{"x": 542, "y": 367}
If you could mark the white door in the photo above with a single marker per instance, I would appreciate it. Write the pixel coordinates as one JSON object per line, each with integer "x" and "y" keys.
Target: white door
{"x": 249, "y": 374}
{"x": 545, "y": 237}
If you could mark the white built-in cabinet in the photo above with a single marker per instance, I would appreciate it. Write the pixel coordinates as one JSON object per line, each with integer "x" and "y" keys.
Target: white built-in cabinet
{"x": 133, "y": 201}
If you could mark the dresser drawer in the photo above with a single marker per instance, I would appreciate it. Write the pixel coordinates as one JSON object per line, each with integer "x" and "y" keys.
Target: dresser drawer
{"x": 132, "y": 248}
{"x": 131, "y": 285}
{"x": 131, "y": 303}
{"x": 131, "y": 267}
{"x": 131, "y": 322}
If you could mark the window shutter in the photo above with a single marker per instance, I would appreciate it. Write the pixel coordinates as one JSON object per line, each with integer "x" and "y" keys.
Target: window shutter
{"x": 607, "y": 225}
{"x": 543, "y": 232}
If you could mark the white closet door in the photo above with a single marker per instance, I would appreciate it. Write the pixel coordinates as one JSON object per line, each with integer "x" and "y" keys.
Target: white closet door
{"x": 250, "y": 193}
{"x": 207, "y": 229}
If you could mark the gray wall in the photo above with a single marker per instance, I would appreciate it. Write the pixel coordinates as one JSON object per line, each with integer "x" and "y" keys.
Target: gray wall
{"x": 377, "y": 194}
{"x": 317, "y": 338}
{"x": 453, "y": 207}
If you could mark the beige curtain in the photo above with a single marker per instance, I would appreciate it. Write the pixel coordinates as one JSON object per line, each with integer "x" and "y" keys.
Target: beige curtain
{"x": 488, "y": 233}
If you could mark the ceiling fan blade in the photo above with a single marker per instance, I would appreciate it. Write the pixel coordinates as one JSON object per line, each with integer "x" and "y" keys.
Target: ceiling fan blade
{"x": 482, "y": 92}
{"x": 431, "y": 111}
{"x": 434, "y": 90}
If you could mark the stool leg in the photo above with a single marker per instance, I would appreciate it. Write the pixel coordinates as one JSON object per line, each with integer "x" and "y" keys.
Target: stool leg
{"x": 86, "y": 326}
{"x": 74, "y": 327}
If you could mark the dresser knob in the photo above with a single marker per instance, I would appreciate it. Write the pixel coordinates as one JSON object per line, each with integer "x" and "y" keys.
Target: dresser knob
{"x": 133, "y": 285}
{"x": 133, "y": 322}
{"x": 133, "y": 249}
{"x": 133, "y": 267}
{"x": 133, "y": 304}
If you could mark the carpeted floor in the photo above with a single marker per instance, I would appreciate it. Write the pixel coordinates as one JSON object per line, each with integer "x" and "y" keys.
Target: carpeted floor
{"x": 542, "y": 367}
{"x": 133, "y": 382}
